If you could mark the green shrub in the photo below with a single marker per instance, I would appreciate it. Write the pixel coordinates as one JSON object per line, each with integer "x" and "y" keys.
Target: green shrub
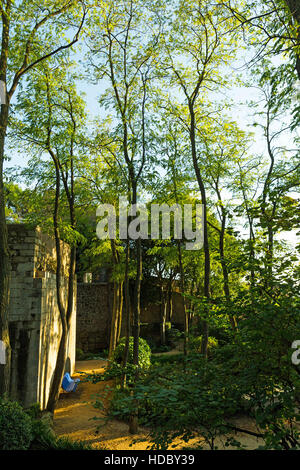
{"x": 116, "y": 370}
{"x": 144, "y": 353}
{"x": 29, "y": 430}
{"x": 15, "y": 427}
{"x": 34, "y": 411}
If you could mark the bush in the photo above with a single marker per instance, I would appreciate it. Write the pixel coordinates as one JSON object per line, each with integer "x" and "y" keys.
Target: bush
{"x": 29, "y": 430}
{"x": 15, "y": 427}
{"x": 144, "y": 353}
{"x": 116, "y": 369}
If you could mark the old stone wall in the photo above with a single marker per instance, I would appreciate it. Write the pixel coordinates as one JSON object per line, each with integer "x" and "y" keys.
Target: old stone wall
{"x": 94, "y": 302}
{"x": 34, "y": 322}
{"x": 150, "y": 313}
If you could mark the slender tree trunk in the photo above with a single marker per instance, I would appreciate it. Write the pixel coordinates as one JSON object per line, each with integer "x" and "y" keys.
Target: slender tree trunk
{"x": 226, "y": 287}
{"x": 127, "y": 313}
{"x": 61, "y": 356}
{"x": 294, "y": 7}
{"x": 116, "y": 308}
{"x": 114, "y": 321}
{"x": 4, "y": 249}
{"x": 65, "y": 318}
{"x": 163, "y": 315}
{"x": 182, "y": 278}
{"x": 205, "y": 329}
{"x": 133, "y": 425}
{"x": 59, "y": 370}
{"x": 120, "y": 311}
{"x": 65, "y": 311}
{"x": 251, "y": 240}
{"x": 4, "y": 266}
{"x": 170, "y": 302}
{"x": 182, "y": 288}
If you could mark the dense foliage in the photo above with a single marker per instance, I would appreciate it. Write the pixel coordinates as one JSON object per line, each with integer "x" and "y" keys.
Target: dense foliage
{"x": 251, "y": 375}
{"x": 27, "y": 430}
{"x": 15, "y": 427}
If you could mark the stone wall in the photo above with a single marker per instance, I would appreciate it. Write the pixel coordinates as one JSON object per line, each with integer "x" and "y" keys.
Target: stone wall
{"x": 150, "y": 313}
{"x": 34, "y": 321}
{"x": 94, "y": 301}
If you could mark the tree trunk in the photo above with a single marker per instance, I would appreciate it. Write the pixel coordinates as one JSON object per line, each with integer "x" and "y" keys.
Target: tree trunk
{"x": 182, "y": 288}
{"x": 136, "y": 306}
{"x": 205, "y": 330}
{"x": 116, "y": 318}
{"x": 163, "y": 316}
{"x": 226, "y": 287}
{"x": 59, "y": 371}
{"x": 133, "y": 423}
{"x": 4, "y": 265}
{"x": 170, "y": 302}
{"x": 4, "y": 249}
{"x": 120, "y": 311}
{"x": 294, "y": 7}
{"x": 127, "y": 313}
{"x": 64, "y": 311}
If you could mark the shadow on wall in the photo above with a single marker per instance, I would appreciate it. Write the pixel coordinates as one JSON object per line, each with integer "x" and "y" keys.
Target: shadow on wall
{"x": 68, "y": 366}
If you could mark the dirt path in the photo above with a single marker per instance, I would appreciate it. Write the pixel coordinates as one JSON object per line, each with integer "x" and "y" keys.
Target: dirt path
{"x": 74, "y": 418}
{"x": 74, "y": 415}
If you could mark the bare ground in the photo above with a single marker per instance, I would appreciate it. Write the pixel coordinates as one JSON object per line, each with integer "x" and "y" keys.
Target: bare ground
{"x": 74, "y": 418}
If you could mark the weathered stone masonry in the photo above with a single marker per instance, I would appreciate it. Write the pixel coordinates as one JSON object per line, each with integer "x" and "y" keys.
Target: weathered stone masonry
{"x": 94, "y": 303}
{"x": 34, "y": 322}
{"x": 94, "y": 307}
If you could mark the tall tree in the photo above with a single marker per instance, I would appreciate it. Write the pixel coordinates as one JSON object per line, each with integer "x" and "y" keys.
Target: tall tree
{"x": 52, "y": 127}
{"x": 194, "y": 52}
{"x": 124, "y": 54}
{"x": 31, "y": 33}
